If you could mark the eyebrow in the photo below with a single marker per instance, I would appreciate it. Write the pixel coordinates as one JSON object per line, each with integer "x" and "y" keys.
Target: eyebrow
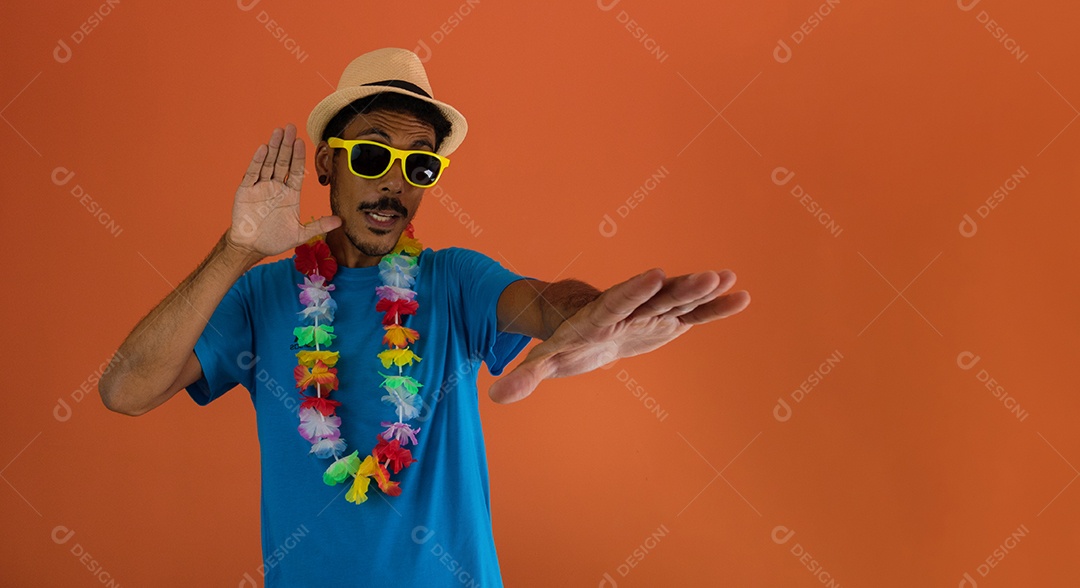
{"x": 383, "y": 134}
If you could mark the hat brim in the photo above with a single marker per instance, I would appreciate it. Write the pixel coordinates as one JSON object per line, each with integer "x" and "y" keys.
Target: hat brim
{"x": 332, "y": 104}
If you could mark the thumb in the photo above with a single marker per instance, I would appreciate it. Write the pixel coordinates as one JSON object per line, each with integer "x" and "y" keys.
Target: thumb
{"x": 520, "y": 382}
{"x": 319, "y": 227}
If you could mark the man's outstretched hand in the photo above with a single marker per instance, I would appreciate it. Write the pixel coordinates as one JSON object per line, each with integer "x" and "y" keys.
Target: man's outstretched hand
{"x": 630, "y": 318}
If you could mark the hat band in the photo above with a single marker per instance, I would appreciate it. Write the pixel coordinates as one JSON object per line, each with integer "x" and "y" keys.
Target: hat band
{"x": 401, "y": 84}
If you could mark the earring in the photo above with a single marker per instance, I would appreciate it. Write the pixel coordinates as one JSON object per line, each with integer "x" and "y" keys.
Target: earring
{"x": 324, "y": 180}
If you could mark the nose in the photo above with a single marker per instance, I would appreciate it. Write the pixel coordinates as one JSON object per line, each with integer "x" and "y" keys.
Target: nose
{"x": 393, "y": 182}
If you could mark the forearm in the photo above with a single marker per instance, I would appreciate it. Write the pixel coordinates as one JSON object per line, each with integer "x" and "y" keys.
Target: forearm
{"x": 153, "y": 354}
{"x": 560, "y": 300}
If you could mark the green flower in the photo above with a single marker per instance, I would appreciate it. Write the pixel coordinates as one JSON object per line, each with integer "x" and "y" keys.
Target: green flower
{"x": 341, "y": 469}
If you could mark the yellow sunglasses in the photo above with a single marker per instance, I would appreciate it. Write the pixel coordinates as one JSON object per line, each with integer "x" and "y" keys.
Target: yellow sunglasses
{"x": 370, "y": 159}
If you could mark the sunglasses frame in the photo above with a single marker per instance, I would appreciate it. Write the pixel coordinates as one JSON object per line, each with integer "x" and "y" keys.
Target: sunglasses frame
{"x": 395, "y": 155}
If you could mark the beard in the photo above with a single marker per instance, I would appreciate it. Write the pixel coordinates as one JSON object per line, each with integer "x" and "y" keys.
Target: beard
{"x": 367, "y": 248}
{"x": 362, "y": 237}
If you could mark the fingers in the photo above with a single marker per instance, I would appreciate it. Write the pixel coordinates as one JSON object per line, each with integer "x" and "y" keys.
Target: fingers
{"x": 281, "y": 160}
{"x": 284, "y": 155}
{"x": 727, "y": 280}
{"x": 252, "y": 174}
{"x": 274, "y": 145}
{"x": 296, "y": 169}
{"x": 685, "y": 292}
{"x": 617, "y": 302}
{"x": 723, "y": 306}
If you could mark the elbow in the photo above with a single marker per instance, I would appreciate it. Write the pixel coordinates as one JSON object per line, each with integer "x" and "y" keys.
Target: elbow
{"x": 115, "y": 399}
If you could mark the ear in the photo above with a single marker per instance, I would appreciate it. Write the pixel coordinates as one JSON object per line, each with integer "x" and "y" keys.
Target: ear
{"x": 324, "y": 160}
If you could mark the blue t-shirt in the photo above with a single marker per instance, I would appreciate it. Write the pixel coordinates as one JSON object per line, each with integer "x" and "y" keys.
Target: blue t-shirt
{"x": 438, "y": 532}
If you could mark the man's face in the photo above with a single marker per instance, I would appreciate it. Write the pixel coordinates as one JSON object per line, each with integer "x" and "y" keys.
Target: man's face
{"x": 353, "y": 198}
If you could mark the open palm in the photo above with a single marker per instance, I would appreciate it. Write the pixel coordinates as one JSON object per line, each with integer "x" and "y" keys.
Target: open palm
{"x": 631, "y": 318}
{"x": 266, "y": 208}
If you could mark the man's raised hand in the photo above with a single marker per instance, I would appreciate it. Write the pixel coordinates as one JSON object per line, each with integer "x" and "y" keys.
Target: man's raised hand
{"x": 266, "y": 209}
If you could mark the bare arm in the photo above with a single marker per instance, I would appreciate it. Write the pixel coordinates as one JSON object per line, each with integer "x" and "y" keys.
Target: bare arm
{"x": 630, "y": 318}
{"x": 157, "y": 359}
{"x": 536, "y": 308}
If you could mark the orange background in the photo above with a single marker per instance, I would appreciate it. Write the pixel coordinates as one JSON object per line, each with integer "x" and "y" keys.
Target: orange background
{"x": 898, "y": 468}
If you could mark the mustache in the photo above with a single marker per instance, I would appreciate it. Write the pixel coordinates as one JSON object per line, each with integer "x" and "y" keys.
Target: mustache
{"x": 386, "y": 203}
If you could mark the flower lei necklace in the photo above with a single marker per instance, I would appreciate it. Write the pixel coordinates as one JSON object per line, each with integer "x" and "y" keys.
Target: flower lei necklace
{"x": 318, "y": 423}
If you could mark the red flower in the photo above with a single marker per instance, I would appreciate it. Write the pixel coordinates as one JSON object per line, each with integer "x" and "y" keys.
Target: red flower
{"x": 323, "y": 404}
{"x": 395, "y": 308}
{"x": 399, "y": 456}
{"x": 314, "y": 256}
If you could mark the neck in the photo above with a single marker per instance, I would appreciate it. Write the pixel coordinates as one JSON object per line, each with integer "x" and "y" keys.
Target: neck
{"x": 346, "y": 254}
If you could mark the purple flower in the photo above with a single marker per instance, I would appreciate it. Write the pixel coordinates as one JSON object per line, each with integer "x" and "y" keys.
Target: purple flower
{"x": 399, "y": 431}
{"x": 392, "y": 293}
{"x": 314, "y": 290}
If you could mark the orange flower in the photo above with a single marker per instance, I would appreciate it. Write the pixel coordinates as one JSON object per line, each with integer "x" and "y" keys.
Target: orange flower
{"x": 321, "y": 375}
{"x": 399, "y": 336}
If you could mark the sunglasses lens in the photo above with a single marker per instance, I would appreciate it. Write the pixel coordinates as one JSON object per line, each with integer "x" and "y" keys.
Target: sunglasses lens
{"x": 370, "y": 160}
{"x": 422, "y": 169}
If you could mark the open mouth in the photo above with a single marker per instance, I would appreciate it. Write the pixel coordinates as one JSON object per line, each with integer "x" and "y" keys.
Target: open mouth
{"x": 382, "y": 218}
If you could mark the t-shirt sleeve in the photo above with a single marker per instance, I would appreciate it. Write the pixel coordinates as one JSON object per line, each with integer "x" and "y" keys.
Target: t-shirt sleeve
{"x": 482, "y": 281}
{"x": 224, "y": 348}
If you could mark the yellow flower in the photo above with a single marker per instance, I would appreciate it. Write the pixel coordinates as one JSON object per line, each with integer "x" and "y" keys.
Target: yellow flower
{"x": 307, "y": 358}
{"x": 407, "y": 244}
{"x": 358, "y": 492}
{"x": 398, "y": 357}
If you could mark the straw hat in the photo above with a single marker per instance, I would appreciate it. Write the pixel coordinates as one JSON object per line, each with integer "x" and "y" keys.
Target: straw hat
{"x": 385, "y": 70}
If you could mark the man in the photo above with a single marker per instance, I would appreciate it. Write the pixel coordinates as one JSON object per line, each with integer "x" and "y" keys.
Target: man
{"x": 381, "y": 140}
